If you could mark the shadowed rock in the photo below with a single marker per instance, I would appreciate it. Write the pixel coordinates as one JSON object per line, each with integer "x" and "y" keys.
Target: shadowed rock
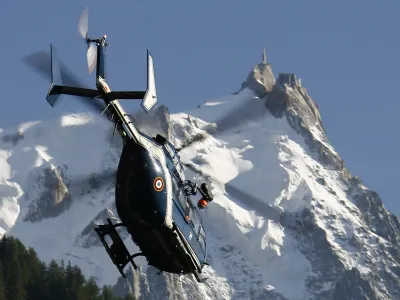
{"x": 89, "y": 238}
{"x": 352, "y": 286}
{"x": 304, "y": 117}
{"x": 53, "y": 197}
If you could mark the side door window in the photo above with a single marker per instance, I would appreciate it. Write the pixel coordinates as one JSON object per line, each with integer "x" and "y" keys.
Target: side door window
{"x": 178, "y": 196}
{"x": 202, "y": 238}
{"x": 188, "y": 211}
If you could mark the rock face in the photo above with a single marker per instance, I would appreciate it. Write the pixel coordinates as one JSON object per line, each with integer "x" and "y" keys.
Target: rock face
{"x": 352, "y": 286}
{"x": 53, "y": 198}
{"x": 302, "y": 113}
{"x": 150, "y": 286}
{"x": 286, "y": 97}
{"x": 88, "y": 237}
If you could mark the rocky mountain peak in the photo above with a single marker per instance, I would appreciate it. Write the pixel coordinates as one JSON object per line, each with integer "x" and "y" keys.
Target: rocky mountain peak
{"x": 286, "y": 97}
{"x": 261, "y": 79}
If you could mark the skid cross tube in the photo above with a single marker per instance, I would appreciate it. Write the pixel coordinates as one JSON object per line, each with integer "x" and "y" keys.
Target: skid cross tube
{"x": 118, "y": 252}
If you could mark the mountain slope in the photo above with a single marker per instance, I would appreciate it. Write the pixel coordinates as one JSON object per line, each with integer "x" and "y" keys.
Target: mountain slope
{"x": 310, "y": 230}
{"x": 330, "y": 228}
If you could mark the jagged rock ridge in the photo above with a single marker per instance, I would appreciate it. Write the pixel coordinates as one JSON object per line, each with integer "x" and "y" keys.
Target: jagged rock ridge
{"x": 289, "y": 99}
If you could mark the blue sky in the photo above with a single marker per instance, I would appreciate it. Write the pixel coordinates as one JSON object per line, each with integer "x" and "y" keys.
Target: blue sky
{"x": 345, "y": 52}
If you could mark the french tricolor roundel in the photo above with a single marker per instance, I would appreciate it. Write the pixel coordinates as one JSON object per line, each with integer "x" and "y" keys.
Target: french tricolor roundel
{"x": 158, "y": 184}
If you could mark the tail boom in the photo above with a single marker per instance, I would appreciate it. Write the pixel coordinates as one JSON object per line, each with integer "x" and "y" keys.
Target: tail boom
{"x": 125, "y": 123}
{"x": 114, "y": 108}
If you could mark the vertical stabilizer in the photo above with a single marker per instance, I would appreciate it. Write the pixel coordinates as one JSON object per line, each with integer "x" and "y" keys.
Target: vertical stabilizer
{"x": 56, "y": 81}
{"x": 150, "y": 98}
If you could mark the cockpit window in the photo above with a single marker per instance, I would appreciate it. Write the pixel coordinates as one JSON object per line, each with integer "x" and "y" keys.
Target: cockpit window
{"x": 189, "y": 211}
{"x": 171, "y": 145}
{"x": 179, "y": 194}
{"x": 202, "y": 238}
{"x": 170, "y": 165}
{"x": 194, "y": 216}
{"x": 175, "y": 187}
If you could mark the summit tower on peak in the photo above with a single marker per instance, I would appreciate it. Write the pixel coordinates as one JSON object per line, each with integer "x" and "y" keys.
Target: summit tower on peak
{"x": 264, "y": 57}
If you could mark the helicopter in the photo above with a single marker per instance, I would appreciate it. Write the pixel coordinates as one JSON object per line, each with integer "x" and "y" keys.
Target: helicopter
{"x": 152, "y": 195}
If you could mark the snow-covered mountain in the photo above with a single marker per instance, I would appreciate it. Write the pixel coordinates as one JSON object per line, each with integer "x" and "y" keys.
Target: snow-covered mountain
{"x": 310, "y": 230}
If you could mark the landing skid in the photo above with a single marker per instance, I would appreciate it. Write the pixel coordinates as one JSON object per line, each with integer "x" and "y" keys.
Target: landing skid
{"x": 118, "y": 252}
{"x": 199, "y": 279}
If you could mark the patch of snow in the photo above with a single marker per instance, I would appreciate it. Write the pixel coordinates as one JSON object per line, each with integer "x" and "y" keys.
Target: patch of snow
{"x": 25, "y": 126}
{"x": 213, "y": 103}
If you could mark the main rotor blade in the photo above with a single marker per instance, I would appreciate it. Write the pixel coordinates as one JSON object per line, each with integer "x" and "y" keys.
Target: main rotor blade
{"x": 93, "y": 180}
{"x": 255, "y": 203}
{"x": 41, "y": 61}
{"x": 154, "y": 122}
{"x": 251, "y": 109}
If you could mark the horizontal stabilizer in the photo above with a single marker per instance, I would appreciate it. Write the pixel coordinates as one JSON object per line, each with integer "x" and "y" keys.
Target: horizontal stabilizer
{"x": 150, "y": 98}
{"x": 127, "y": 94}
{"x": 57, "y": 90}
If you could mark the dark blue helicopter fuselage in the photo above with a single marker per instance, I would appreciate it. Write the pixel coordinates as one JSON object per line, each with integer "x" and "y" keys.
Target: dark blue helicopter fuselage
{"x": 148, "y": 196}
{"x": 160, "y": 218}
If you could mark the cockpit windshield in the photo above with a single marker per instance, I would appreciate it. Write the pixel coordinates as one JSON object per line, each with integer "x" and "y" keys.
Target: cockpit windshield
{"x": 187, "y": 207}
{"x": 195, "y": 217}
{"x": 172, "y": 147}
{"x": 170, "y": 165}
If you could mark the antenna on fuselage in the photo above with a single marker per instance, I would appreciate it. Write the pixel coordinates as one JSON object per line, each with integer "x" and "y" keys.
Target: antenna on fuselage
{"x": 91, "y": 54}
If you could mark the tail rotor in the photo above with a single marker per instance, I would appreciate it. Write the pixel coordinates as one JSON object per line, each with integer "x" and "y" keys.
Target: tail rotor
{"x": 83, "y": 24}
{"x": 91, "y": 54}
{"x": 91, "y": 57}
